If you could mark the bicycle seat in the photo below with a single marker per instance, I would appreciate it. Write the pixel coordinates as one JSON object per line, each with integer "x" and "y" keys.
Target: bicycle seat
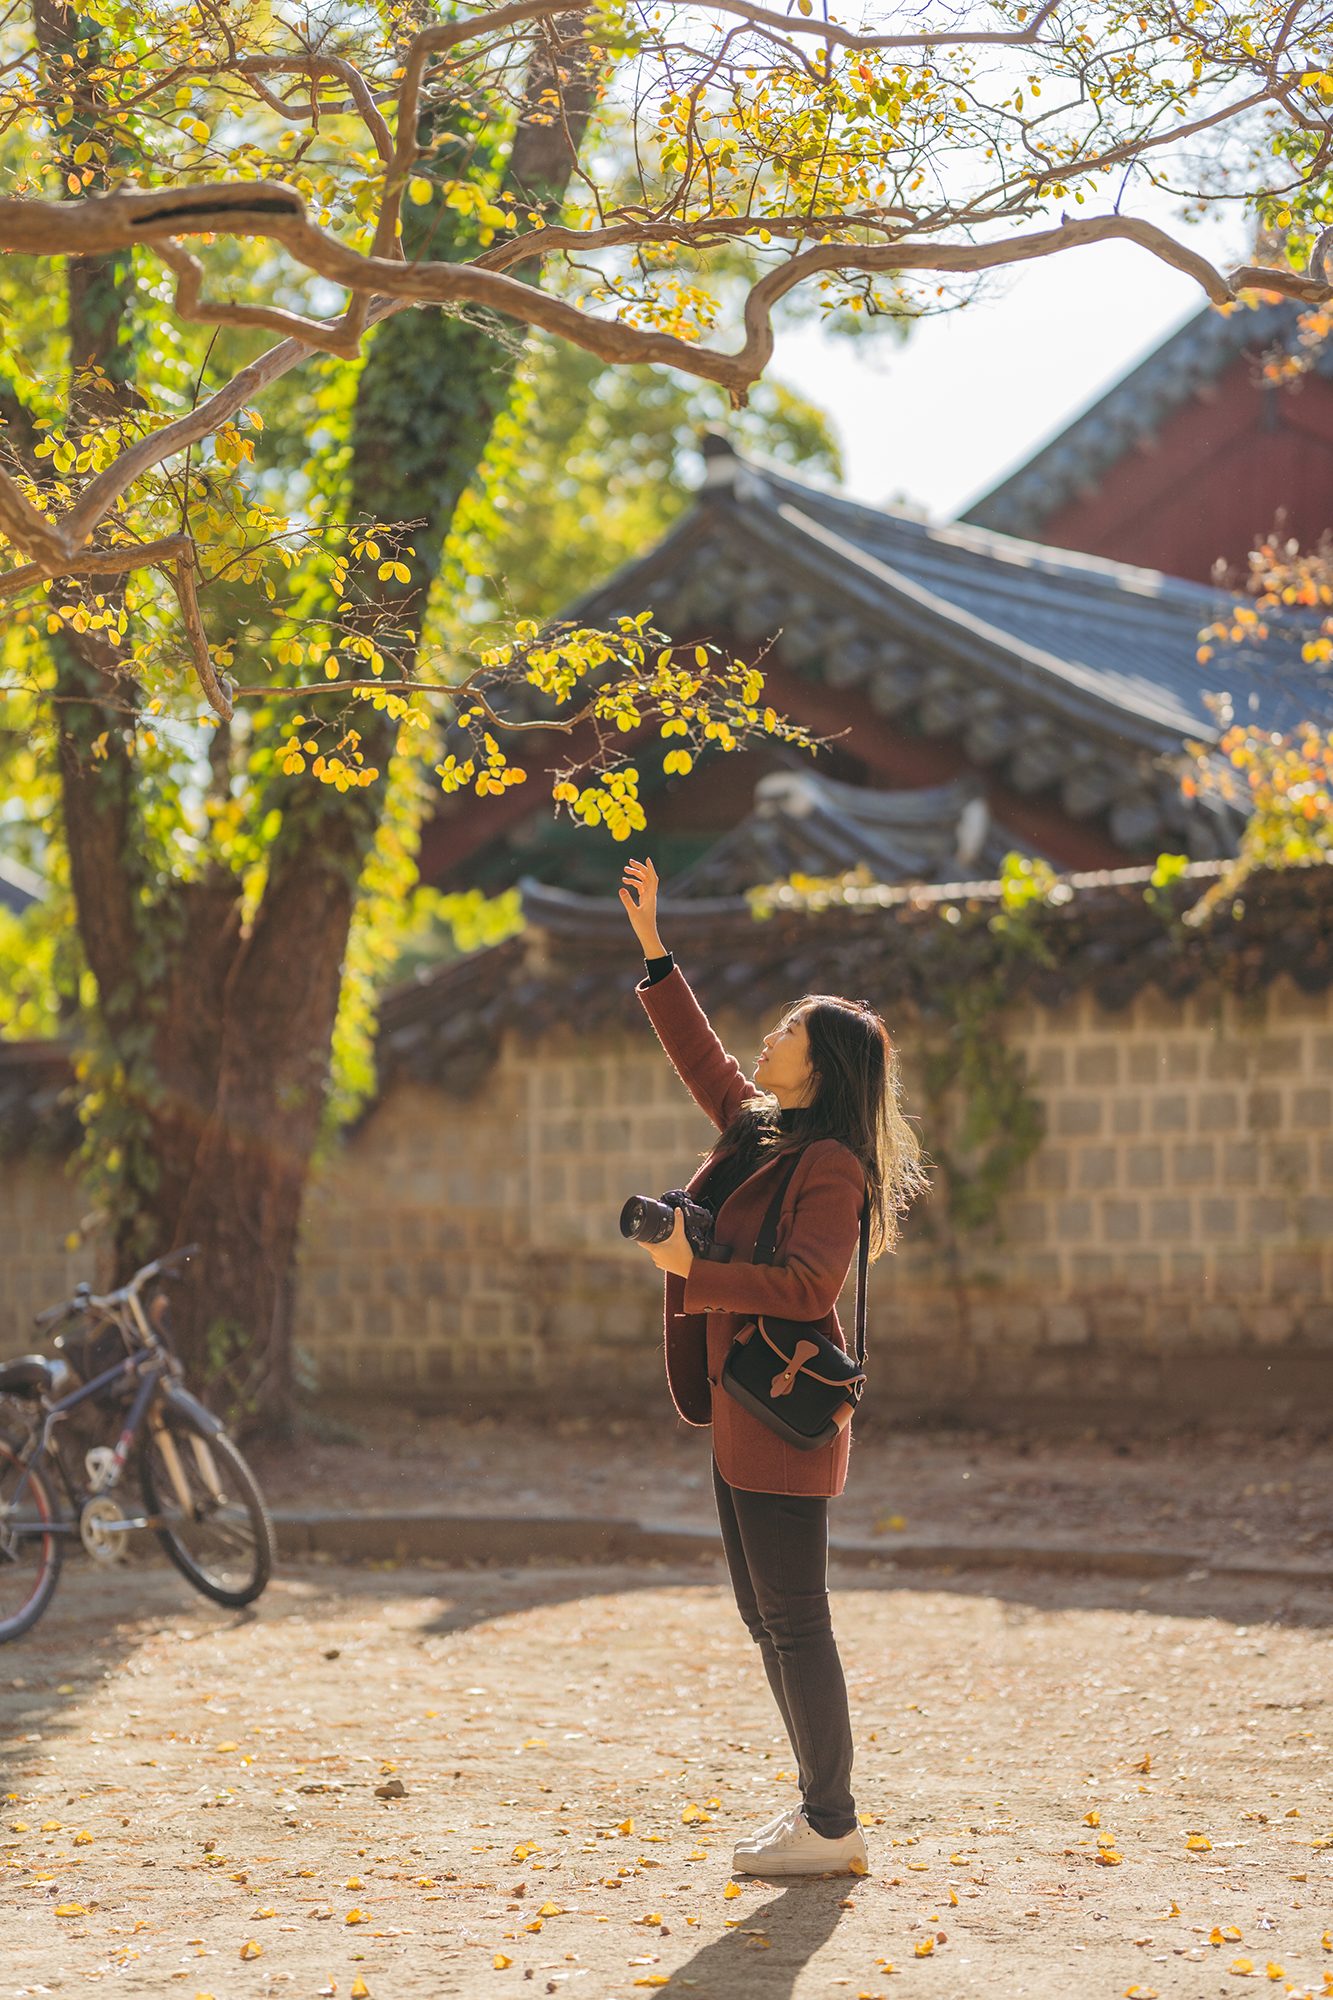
{"x": 31, "y": 1375}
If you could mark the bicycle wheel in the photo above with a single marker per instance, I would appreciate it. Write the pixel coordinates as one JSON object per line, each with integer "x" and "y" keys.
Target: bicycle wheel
{"x": 29, "y": 1559}
{"x": 219, "y": 1536}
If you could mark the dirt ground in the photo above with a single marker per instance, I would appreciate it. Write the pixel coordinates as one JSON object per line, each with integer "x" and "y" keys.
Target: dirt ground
{"x": 1228, "y": 1494}
{"x": 192, "y": 1794}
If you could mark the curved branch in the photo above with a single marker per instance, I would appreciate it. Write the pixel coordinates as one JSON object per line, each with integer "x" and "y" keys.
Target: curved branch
{"x": 831, "y": 31}
{"x": 117, "y": 221}
{"x": 314, "y": 67}
{"x": 101, "y": 494}
{"x": 217, "y": 691}
{"x": 98, "y": 562}
{"x": 1265, "y": 278}
{"x": 338, "y": 336}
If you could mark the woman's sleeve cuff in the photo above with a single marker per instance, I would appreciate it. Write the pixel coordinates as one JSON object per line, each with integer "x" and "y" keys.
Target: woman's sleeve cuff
{"x": 658, "y": 969}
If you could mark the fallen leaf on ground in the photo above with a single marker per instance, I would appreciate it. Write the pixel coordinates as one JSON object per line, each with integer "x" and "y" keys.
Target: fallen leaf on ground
{"x": 1108, "y": 1859}
{"x": 392, "y": 1788}
{"x": 70, "y": 1910}
{"x": 1092, "y": 1819}
{"x": 501, "y": 1962}
{"x": 626, "y": 1826}
{"x": 554, "y": 1910}
{"x": 654, "y": 1979}
{"x": 84, "y": 1839}
{"x": 1241, "y": 1965}
{"x": 360, "y": 1991}
{"x": 693, "y": 1815}
{"x": 1276, "y": 1971}
{"x": 925, "y": 1948}
{"x": 252, "y": 1950}
{"x": 355, "y": 1917}
{"x": 1199, "y": 1841}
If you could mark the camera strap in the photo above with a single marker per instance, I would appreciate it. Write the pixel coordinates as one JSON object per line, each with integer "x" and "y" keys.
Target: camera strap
{"x": 766, "y": 1244}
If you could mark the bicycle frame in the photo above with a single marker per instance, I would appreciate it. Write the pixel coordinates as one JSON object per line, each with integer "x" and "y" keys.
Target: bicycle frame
{"x": 159, "y": 1371}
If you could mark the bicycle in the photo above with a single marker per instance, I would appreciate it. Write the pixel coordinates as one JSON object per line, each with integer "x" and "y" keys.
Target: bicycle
{"x": 199, "y": 1497}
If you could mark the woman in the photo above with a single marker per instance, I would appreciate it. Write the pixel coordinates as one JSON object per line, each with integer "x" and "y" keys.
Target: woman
{"x": 825, "y": 1085}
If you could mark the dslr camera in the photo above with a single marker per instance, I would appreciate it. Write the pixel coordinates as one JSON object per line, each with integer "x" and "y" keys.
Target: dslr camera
{"x": 643, "y": 1220}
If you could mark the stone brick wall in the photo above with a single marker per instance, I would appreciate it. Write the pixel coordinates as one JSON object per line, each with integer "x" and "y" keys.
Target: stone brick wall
{"x": 40, "y": 1207}
{"x": 1164, "y": 1256}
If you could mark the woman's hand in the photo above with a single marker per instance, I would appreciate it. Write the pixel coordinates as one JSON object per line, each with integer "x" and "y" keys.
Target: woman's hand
{"x": 638, "y": 892}
{"x": 675, "y": 1254}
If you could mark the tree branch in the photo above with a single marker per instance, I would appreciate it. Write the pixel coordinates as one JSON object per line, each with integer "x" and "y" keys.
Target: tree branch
{"x": 99, "y": 562}
{"x": 180, "y": 574}
{"x": 101, "y": 494}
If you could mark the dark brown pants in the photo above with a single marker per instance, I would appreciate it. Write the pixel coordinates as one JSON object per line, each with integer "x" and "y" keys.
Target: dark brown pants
{"x": 777, "y": 1552}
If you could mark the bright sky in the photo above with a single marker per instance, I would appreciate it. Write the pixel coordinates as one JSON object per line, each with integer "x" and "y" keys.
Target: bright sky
{"x": 937, "y": 421}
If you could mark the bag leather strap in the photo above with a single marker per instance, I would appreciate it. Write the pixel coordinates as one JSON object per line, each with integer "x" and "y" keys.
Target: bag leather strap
{"x": 767, "y": 1242}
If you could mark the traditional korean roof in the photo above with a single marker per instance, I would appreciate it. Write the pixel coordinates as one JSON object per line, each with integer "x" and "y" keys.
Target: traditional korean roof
{"x": 1057, "y": 674}
{"x": 20, "y": 887}
{"x": 576, "y": 967}
{"x": 1128, "y": 417}
{"x": 805, "y": 824}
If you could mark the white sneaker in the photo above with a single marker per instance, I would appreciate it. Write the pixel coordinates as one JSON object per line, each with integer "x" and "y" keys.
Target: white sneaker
{"x": 796, "y": 1849}
{"x": 764, "y": 1833}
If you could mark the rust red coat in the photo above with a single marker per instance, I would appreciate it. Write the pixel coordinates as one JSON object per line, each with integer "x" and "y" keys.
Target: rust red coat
{"x": 817, "y": 1238}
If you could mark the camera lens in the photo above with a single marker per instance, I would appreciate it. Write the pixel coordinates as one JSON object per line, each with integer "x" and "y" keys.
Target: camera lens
{"x": 644, "y": 1220}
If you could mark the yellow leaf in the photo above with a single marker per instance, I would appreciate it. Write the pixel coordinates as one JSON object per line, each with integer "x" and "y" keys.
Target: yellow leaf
{"x": 920, "y": 1867}
{"x": 355, "y": 1917}
{"x": 693, "y": 1815}
{"x": 83, "y": 1840}
{"x": 1140, "y": 1993}
{"x": 420, "y": 192}
{"x": 252, "y": 1950}
{"x": 1200, "y": 1841}
{"x": 925, "y": 1948}
{"x": 701, "y": 656}
{"x": 859, "y": 1867}
{"x": 1108, "y": 1859}
{"x": 70, "y": 1910}
{"x": 360, "y": 1991}
{"x": 500, "y": 1962}
{"x": 51, "y": 1826}
{"x": 1229, "y": 1931}
{"x": 1092, "y": 1819}
{"x": 731, "y": 1891}
{"x": 1240, "y": 1965}
{"x": 550, "y": 1910}
{"x": 535, "y": 1925}
{"x": 953, "y": 1898}
{"x": 224, "y": 1747}
{"x": 1275, "y": 1971}
{"x": 626, "y": 1826}
{"x": 1326, "y": 1940}
{"x": 654, "y": 1979}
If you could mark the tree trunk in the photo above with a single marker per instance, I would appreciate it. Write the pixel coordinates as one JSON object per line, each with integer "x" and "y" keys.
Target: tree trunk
{"x": 222, "y": 1038}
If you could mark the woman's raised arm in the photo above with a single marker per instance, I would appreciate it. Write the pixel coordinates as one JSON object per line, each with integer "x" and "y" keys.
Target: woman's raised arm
{"x": 714, "y": 1079}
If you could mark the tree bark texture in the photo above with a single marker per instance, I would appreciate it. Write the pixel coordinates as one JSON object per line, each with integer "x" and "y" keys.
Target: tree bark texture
{"x": 426, "y": 403}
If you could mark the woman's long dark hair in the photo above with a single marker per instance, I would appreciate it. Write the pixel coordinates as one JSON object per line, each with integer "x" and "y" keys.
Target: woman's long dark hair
{"x": 856, "y": 1101}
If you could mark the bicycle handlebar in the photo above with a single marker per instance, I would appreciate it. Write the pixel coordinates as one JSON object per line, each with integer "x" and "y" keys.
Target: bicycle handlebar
{"x": 84, "y": 1298}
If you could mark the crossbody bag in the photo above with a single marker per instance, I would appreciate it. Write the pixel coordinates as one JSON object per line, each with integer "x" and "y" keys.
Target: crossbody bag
{"x": 786, "y": 1372}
